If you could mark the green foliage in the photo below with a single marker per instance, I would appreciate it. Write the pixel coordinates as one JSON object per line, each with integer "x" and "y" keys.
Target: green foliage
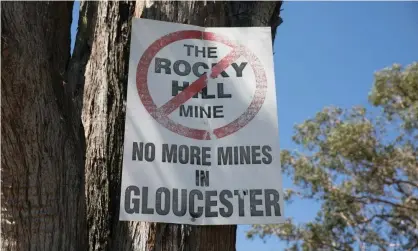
{"x": 363, "y": 169}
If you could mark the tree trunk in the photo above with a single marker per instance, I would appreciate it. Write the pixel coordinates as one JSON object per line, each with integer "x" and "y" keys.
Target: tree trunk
{"x": 43, "y": 202}
{"x": 103, "y": 47}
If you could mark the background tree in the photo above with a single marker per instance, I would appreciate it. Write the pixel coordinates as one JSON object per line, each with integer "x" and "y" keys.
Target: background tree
{"x": 100, "y": 66}
{"x": 42, "y": 184}
{"x": 363, "y": 169}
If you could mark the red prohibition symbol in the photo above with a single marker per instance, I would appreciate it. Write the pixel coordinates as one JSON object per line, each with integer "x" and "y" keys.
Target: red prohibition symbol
{"x": 160, "y": 114}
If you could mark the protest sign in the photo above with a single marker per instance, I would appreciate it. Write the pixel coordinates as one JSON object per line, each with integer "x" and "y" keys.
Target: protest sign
{"x": 201, "y": 132}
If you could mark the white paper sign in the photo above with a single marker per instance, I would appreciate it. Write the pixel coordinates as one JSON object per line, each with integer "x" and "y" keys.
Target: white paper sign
{"x": 201, "y": 134}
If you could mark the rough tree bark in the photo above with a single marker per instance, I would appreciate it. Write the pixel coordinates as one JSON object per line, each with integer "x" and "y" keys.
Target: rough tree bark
{"x": 43, "y": 202}
{"x": 102, "y": 48}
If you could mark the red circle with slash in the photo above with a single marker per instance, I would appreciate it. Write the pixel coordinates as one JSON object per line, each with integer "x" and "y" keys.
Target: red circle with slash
{"x": 161, "y": 114}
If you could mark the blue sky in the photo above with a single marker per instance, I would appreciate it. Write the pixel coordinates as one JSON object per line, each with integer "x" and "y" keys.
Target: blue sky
{"x": 326, "y": 54}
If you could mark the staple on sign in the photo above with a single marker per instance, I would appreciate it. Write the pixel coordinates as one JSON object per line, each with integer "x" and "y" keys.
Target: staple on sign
{"x": 242, "y": 193}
